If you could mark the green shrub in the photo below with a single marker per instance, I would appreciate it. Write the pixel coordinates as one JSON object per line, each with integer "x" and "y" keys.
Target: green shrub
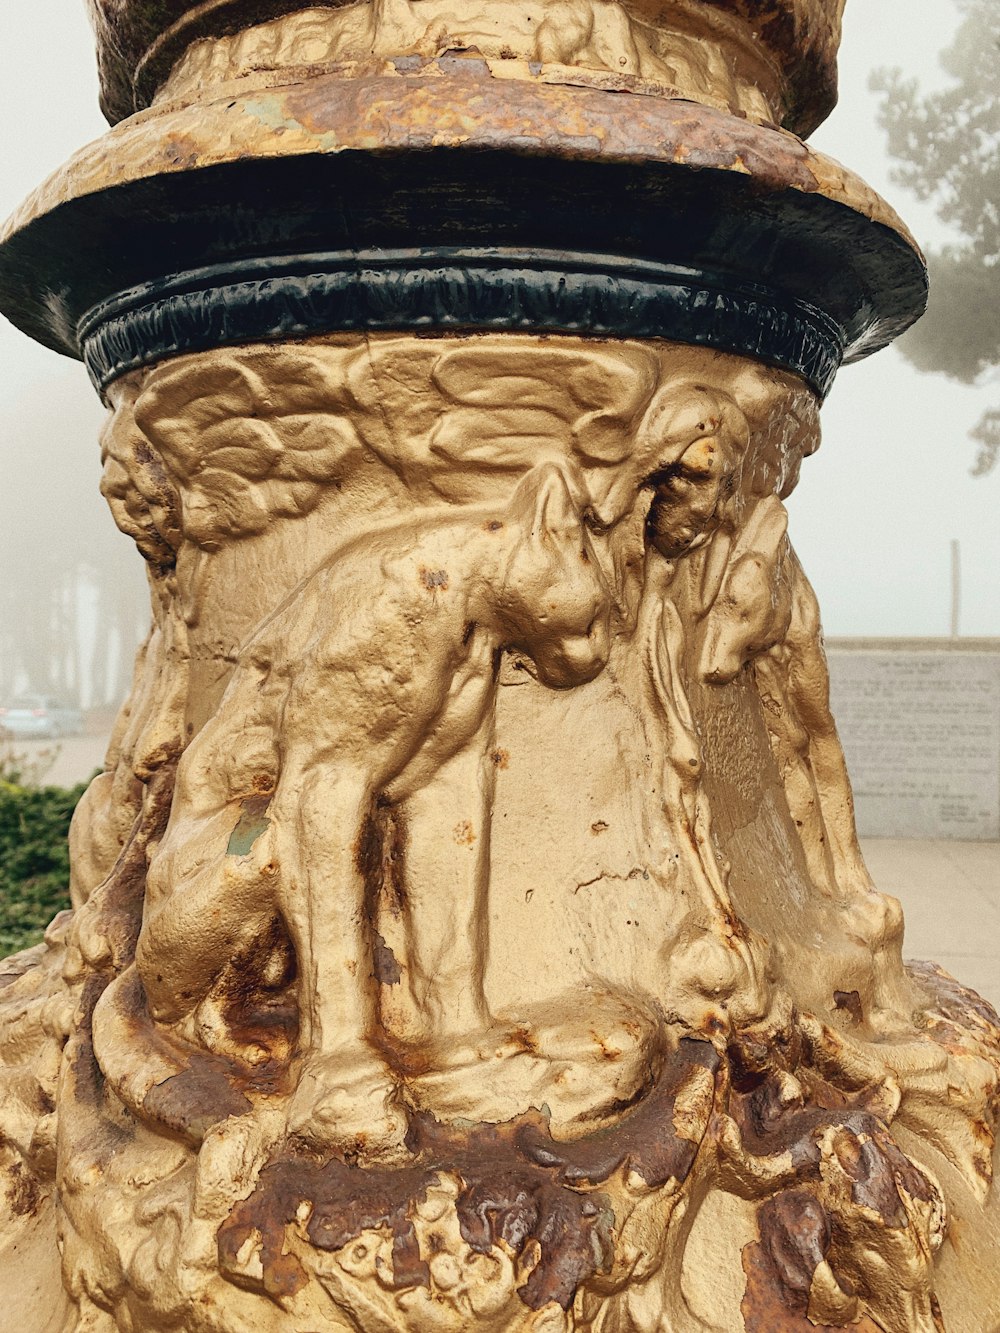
{"x": 34, "y": 859}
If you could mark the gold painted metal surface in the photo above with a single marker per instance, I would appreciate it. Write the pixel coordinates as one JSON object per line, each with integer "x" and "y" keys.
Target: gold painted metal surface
{"x": 469, "y": 927}
{"x": 343, "y": 1005}
{"x": 775, "y": 58}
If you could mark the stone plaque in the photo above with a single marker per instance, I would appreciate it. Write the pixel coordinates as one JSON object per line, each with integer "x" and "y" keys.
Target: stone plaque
{"x": 921, "y": 732}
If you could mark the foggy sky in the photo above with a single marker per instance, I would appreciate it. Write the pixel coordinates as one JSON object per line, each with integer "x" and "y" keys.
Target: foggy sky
{"x": 875, "y": 510}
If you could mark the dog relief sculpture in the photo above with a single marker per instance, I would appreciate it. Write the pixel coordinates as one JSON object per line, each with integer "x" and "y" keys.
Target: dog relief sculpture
{"x": 469, "y": 928}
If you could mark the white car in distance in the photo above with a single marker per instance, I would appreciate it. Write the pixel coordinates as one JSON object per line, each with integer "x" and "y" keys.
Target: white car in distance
{"x": 39, "y": 716}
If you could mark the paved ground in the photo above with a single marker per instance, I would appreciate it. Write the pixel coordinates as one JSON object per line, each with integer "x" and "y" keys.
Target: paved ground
{"x": 950, "y": 891}
{"x": 61, "y": 763}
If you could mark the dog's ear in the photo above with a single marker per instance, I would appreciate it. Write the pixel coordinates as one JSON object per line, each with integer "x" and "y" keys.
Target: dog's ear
{"x": 681, "y": 415}
{"x": 545, "y": 505}
{"x": 556, "y": 511}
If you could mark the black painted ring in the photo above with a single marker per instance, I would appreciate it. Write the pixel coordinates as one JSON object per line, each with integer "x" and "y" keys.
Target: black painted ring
{"x": 448, "y": 289}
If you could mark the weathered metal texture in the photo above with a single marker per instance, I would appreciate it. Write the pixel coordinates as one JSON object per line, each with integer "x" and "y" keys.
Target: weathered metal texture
{"x": 470, "y": 929}
{"x": 139, "y": 41}
{"x": 445, "y": 154}
{"x": 520, "y": 1189}
{"x": 803, "y": 39}
{"x": 680, "y": 1075}
{"x": 407, "y": 105}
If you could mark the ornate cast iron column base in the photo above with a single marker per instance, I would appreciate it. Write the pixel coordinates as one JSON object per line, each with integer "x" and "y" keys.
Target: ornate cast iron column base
{"x": 469, "y": 928}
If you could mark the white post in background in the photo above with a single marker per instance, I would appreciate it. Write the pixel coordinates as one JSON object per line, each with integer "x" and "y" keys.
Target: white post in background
{"x": 956, "y": 585}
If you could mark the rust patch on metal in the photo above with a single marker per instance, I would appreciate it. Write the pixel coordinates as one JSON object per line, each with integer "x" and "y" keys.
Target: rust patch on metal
{"x": 764, "y": 1306}
{"x": 877, "y": 1168}
{"x": 864, "y": 1147}
{"x": 160, "y": 537}
{"x": 198, "y": 1088}
{"x": 136, "y": 52}
{"x": 806, "y": 1120}
{"x": 393, "y": 862}
{"x": 344, "y": 1201}
{"x": 464, "y": 834}
{"x": 795, "y": 1235}
{"x": 644, "y": 1141}
{"x": 804, "y": 45}
{"x": 962, "y": 1023}
{"x": 520, "y": 1188}
{"x": 87, "y": 1076}
{"x": 380, "y": 855}
{"x": 24, "y": 1193}
{"x": 256, "y": 992}
{"x": 434, "y": 580}
{"x": 524, "y": 1039}
{"x": 191, "y": 1102}
{"x": 386, "y": 969}
{"x": 954, "y": 1003}
{"x": 472, "y": 108}
{"x": 573, "y": 1231}
{"x": 850, "y": 1002}
{"x": 368, "y": 852}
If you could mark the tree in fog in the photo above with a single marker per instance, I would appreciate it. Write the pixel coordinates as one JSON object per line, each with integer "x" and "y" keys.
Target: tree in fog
{"x": 73, "y": 603}
{"x": 948, "y": 148}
